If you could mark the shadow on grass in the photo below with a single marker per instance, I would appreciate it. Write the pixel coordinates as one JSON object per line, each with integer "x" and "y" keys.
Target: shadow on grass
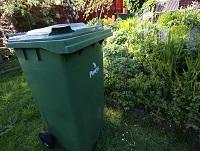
{"x": 128, "y": 133}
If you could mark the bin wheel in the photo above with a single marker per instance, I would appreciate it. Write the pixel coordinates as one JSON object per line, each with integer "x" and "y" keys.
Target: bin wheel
{"x": 47, "y": 140}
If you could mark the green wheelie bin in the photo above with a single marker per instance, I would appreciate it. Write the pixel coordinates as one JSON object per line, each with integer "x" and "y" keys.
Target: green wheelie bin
{"x": 63, "y": 65}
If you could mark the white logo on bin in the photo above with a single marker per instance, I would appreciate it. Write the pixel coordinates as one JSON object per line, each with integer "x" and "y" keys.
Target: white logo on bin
{"x": 94, "y": 71}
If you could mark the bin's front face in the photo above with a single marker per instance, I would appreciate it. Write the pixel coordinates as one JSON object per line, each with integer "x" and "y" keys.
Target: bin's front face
{"x": 69, "y": 92}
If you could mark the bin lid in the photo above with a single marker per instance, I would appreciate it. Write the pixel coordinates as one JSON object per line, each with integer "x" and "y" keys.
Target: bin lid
{"x": 61, "y": 38}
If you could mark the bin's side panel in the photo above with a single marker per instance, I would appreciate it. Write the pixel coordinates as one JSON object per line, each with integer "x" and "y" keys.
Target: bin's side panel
{"x": 85, "y": 72}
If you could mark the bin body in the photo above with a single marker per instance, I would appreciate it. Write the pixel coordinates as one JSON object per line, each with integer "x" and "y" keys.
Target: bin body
{"x": 68, "y": 89}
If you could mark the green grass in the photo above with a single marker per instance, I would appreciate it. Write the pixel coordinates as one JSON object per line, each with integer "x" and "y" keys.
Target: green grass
{"x": 20, "y": 123}
{"x": 9, "y": 65}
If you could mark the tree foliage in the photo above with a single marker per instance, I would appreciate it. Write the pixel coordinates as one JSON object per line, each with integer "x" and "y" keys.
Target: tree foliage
{"x": 134, "y": 5}
{"x": 89, "y": 7}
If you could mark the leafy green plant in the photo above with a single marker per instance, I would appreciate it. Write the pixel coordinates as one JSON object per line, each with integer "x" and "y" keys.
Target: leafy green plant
{"x": 151, "y": 66}
{"x": 149, "y": 5}
{"x": 29, "y": 15}
{"x": 134, "y": 5}
{"x": 186, "y": 17}
{"x": 96, "y": 5}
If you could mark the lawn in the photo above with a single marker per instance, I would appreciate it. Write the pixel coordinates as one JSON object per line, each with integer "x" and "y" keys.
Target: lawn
{"x": 20, "y": 123}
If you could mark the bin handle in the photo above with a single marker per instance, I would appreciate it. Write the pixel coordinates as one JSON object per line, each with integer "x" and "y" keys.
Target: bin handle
{"x": 61, "y": 30}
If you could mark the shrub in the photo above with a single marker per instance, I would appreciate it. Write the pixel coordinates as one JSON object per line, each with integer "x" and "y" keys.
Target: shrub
{"x": 26, "y": 15}
{"x": 188, "y": 17}
{"x": 134, "y": 5}
{"x": 156, "y": 66}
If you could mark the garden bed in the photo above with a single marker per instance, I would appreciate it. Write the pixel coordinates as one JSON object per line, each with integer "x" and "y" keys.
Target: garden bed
{"x": 156, "y": 66}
